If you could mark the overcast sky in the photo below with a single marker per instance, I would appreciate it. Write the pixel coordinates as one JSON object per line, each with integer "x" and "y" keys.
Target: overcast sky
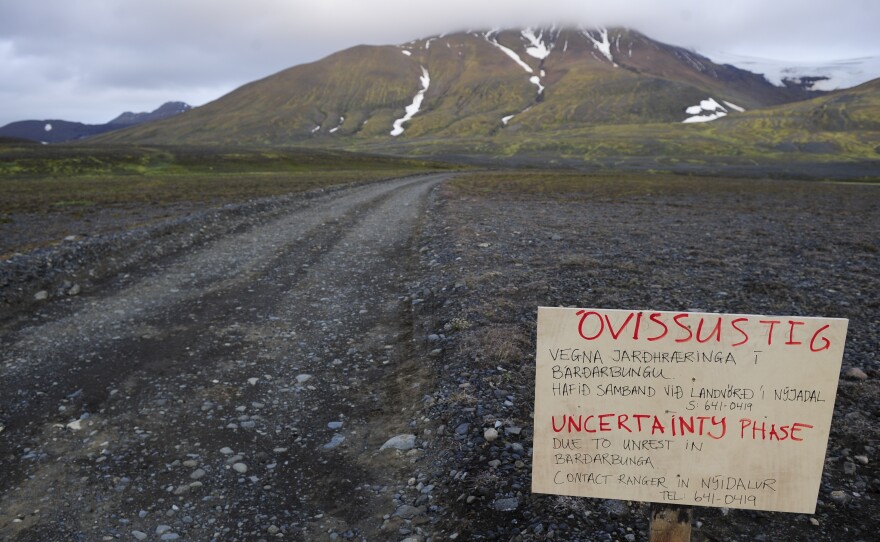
{"x": 89, "y": 60}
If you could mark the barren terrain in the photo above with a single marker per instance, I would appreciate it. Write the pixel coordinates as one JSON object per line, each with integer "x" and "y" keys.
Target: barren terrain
{"x": 234, "y": 375}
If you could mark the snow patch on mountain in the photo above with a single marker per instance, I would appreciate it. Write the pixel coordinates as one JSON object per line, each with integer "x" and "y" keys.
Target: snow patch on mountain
{"x": 707, "y": 111}
{"x": 413, "y": 108}
{"x": 338, "y": 126}
{"x": 535, "y": 80}
{"x": 602, "y": 43}
{"x": 407, "y": 53}
{"x": 505, "y": 120}
{"x": 734, "y": 106}
{"x": 509, "y": 52}
{"x": 538, "y": 49}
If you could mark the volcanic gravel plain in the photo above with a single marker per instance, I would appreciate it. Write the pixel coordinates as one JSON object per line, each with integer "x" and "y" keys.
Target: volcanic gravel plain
{"x": 358, "y": 363}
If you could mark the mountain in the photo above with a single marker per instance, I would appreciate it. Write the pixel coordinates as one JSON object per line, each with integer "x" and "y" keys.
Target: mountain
{"x": 59, "y": 131}
{"x": 570, "y": 92}
{"x": 52, "y": 131}
{"x": 166, "y": 110}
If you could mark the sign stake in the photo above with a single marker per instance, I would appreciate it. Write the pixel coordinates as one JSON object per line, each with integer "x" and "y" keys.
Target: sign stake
{"x": 671, "y": 523}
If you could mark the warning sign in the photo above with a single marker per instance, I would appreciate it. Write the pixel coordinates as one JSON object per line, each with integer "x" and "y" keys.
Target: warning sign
{"x": 686, "y": 408}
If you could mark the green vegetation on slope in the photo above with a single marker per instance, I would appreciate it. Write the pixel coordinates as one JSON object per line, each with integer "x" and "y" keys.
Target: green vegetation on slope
{"x": 611, "y": 187}
{"x": 481, "y": 104}
{"x": 36, "y": 178}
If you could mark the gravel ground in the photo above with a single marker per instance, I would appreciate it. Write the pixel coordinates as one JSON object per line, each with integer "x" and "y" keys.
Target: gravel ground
{"x": 229, "y": 391}
{"x": 326, "y": 367}
{"x": 785, "y": 248}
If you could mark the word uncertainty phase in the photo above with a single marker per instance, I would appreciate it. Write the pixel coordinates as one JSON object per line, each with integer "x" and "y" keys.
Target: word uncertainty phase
{"x": 726, "y": 410}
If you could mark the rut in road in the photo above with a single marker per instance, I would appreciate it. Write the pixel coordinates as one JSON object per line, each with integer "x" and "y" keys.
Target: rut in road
{"x": 241, "y": 393}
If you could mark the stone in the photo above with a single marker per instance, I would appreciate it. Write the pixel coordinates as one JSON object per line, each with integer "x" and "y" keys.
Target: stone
{"x": 239, "y": 468}
{"x": 408, "y": 511}
{"x": 400, "y": 442}
{"x": 615, "y": 508}
{"x": 814, "y": 522}
{"x": 334, "y": 425}
{"x": 42, "y": 295}
{"x": 197, "y": 474}
{"x": 856, "y": 374}
{"x": 840, "y": 497}
{"x": 74, "y": 290}
{"x": 161, "y": 529}
{"x": 139, "y": 535}
{"x": 506, "y": 505}
{"x": 490, "y": 434}
{"x": 226, "y": 450}
{"x": 334, "y": 442}
{"x": 863, "y": 459}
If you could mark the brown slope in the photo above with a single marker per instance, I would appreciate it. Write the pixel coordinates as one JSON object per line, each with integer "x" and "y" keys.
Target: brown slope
{"x": 291, "y": 104}
{"x": 589, "y": 77}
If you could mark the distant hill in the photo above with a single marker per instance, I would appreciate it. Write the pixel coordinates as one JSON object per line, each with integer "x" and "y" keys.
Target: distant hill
{"x": 166, "y": 110}
{"x": 58, "y": 131}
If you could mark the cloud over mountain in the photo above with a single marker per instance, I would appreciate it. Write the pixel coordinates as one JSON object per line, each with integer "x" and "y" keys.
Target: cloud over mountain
{"x": 85, "y": 60}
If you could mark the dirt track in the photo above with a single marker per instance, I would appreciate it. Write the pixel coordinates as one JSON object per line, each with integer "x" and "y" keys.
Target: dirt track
{"x": 237, "y": 392}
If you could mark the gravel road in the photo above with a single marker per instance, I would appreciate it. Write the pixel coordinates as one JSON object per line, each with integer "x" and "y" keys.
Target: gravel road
{"x": 241, "y": 390}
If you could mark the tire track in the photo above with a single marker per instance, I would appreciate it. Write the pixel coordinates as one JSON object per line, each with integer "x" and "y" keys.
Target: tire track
{"x": 240, "y": 393}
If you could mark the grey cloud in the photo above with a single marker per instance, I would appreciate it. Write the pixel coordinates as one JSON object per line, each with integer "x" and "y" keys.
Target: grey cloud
{"x": 56, "y": 55}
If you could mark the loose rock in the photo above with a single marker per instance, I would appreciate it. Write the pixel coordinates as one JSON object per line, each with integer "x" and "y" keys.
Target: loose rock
{"x": 856, "y": 374}
{"x": 400, "y": 442}
{"x": 506, "y": 505}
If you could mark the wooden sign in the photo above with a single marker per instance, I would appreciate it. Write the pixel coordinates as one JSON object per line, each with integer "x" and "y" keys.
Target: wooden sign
{"x": 702, "y": 409}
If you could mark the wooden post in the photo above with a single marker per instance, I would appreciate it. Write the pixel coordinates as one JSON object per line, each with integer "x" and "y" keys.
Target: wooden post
{"x": 671, "y": 523}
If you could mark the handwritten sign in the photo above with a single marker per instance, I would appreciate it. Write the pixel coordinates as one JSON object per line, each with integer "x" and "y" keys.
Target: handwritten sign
{"x": 686, "y": 408}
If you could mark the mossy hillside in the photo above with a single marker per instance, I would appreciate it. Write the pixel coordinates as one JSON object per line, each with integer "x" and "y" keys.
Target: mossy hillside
{"x": 36, "y": 179}
{"x": 290, "y": 105}
{"x": 472, "y": 88}
{"x": 353, "y": 97}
